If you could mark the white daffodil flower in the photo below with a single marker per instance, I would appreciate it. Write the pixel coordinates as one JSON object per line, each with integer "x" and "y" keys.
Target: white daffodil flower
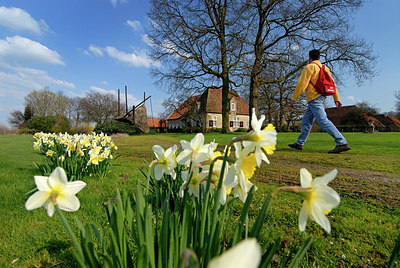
{"x": 165, "y": 161}
{"x": 195, "y": 151}
{"x": 319, "y": 200}
{"x": 198, "y": 178}
{"x": 55, "y": 190}
{"x": 260, "y": 139}
{"x": 245, "y": 254}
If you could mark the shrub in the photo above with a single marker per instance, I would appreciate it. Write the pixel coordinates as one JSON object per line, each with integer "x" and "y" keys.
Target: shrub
{"x": 41, "y": 123}
{"x": 113, "y": 127}
{"x": 241, "y": 129}
{"x": 27, "y": 131}
{"x": 86, "y": 129}
{"x": 62, "y": 125}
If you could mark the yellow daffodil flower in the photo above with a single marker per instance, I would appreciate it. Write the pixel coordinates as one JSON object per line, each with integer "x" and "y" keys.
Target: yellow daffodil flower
{"x": 55, "y": 190}
{"x": 259, "y": 139}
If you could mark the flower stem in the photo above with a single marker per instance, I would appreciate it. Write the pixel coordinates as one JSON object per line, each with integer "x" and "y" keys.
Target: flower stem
{"x": 69, "y": 230}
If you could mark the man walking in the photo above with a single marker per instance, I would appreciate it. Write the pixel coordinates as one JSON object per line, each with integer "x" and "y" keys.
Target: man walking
{"x": 315, "y": 106}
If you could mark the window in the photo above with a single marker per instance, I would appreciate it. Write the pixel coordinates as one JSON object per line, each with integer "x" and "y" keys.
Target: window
{"x": 247, "y": 124}
{"x": 233, "y": 106}
{"x": 236, "y": 121}
{"x": 213, "y": 122}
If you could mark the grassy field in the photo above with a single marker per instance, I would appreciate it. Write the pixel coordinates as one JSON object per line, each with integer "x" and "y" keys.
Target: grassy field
{"x": 364, "y": 226}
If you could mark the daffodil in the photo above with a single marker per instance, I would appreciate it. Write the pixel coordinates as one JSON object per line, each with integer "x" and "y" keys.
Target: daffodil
{"x": 195, "y": 151}
{"x": 165, "y": 162}
{"x": 245, "y": 254}
{"x": 49, "y": 153}
{"x": 196, "y": 180}
{"x": 242, "y": 170}
{"x": 55, "y": 190}
{"x": 319, "y": 199}
{"x": 260, "y": 140}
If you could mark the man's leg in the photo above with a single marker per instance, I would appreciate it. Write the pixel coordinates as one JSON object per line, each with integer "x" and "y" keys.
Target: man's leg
{"x": 306, "y": 125}
{"x": 317, "y": 107}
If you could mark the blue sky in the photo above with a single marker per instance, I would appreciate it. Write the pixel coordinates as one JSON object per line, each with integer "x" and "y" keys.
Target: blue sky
{"x": 80, "y": 45}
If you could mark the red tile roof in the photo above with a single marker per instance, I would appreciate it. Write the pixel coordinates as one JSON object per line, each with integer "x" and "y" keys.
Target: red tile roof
{"x": 157, "y": 122}
{"x": 214, "y": 101}
{"x": 183, "y": 109}
{"x": 211, "y": 99}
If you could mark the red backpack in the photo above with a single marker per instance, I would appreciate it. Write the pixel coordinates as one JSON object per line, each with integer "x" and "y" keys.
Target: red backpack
{"x": 325, "y": 84}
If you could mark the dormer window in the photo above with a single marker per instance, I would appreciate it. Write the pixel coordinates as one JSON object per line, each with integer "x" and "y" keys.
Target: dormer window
{"x": 233, "y": 106}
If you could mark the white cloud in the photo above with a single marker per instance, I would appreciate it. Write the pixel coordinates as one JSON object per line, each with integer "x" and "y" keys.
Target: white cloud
{"x": 19, "y": 50}
{"x": 97, "y": 51}
{"x": 352, "y": 98}
{"x": 138, "y": 58}
{"x": 131, "y": 99}
{"x": 115, "y": 2}
{"x": 134, "y": 24}
{"x": 19, "y": 20}
{"x": 18, "y": 81}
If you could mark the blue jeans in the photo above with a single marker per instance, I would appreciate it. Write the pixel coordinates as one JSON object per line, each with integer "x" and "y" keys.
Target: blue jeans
{"x": 316, "y": 111}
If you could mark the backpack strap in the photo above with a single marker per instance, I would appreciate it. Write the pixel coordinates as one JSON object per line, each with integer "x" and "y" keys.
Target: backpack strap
{"x": 320, "y": 69}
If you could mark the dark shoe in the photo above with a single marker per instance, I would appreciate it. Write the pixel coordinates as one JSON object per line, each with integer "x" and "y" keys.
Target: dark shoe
{"x": 296, "y": 146}
{"x": 339, "y": 149}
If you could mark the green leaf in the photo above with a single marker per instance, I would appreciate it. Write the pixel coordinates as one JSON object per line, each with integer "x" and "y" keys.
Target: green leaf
{"x": 255, "y": 231}
{"x": 300, "y": 254}
{"x": 395, "y": 253}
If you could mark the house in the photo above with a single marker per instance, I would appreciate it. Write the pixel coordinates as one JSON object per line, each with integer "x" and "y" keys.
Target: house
{"x": 157, "y": 125}
{"x": 205, "y": 111}
{"x": 353, "y": 118}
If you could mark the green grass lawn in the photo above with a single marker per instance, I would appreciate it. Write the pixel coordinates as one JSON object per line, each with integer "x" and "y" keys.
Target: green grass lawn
{"x": 364, "y": 226}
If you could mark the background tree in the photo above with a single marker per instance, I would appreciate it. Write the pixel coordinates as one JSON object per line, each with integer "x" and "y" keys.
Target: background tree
{"x": 99, "y": 107}
{"x": 285, "y": 30}
{"x": 397, "y": 96}
{"x": 198, "y": 42}
{"x": 17, "y": 119}
{"x": 367, "y": 108}
{"x": 46, "y": 103}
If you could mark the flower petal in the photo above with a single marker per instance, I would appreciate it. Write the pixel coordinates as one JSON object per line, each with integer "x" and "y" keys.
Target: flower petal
{"x": 158, "y": 151}
{"x": 42, "y": 183}
{"x": 37, "y": 200}
{"x": 320, "y": 218}
{"x": 326, "y": 178}
{"x": 305, "y": 178}
{"x": 303, "y": 218}
{"x": 184, "y": 157}
{"x": 197, "y": 141}
{"x": 50, "y": 209}
{"x": 158, "y": 172}
{"x": 73, "y": 187}
{"x": 246, "y": 254}
{"x": 326, "y": 197}
{"x": 68, "y": 203}
{"x": 58, "y": 178}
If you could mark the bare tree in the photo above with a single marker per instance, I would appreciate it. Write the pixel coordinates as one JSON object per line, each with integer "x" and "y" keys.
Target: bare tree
{"x": 397, "y": 96}
{"x": 4, "y": 130}
{"x": 198, "y": 42}
{"x": 47, "y": 103}
{"x": 99, "y": 107}
{"x": 17, "y": 119}
{"x": 367, "y": 108}
{"x": 285, "y": 30}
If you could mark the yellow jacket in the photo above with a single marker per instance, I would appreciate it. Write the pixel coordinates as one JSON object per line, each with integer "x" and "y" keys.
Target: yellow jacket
{"x": 310, "y": 72}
